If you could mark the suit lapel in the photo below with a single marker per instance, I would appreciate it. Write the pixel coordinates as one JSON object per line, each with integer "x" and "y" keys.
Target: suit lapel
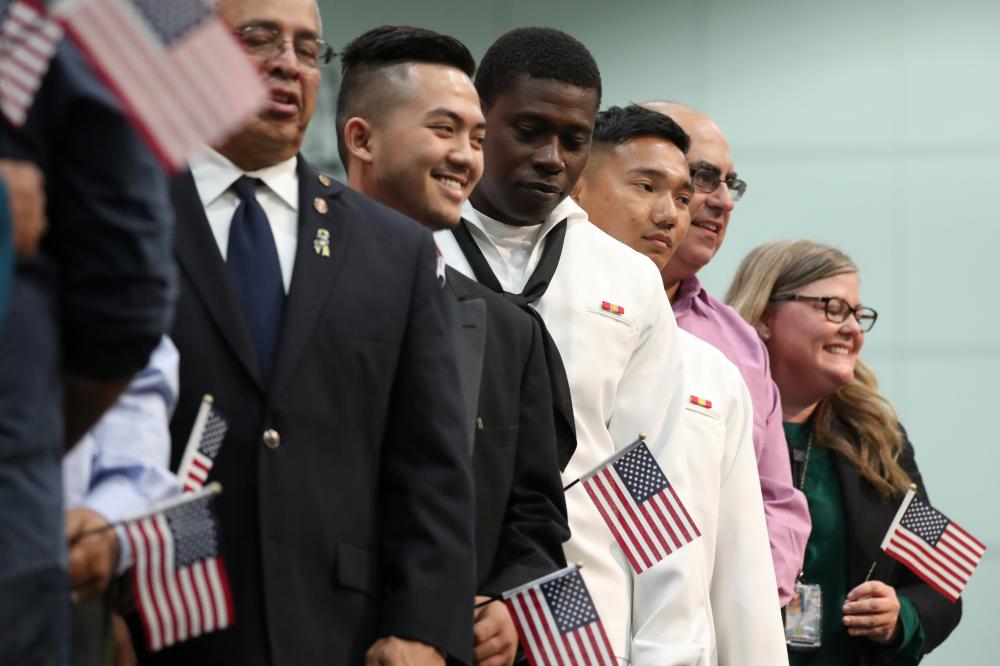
{"x": 324, "y": 230}
{"x": 469, "y": 334}
{"x": 199, "y": 256}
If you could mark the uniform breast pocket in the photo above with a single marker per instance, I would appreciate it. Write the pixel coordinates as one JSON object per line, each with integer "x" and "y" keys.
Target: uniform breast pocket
{"x": 607, "y": 315}
{"x": 705, "y": 440}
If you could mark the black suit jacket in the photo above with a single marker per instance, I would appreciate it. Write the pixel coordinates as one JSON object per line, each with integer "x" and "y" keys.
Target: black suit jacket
{"x": 359, "y": 524}
{"x": 520, "y": 509}
{"x": 868, "y": 518}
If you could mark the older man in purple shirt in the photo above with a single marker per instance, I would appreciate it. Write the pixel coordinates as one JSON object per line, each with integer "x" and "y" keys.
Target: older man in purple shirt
{"x": 700, "y": 314}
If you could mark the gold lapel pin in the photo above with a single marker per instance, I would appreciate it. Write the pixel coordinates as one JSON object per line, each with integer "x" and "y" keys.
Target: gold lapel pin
{"x": 324, "y": 179}
{"x": 319, "y": 203}
{"x": 321, "y": 244}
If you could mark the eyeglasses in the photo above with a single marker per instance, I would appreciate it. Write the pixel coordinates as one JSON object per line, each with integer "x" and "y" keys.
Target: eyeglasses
{"x": 266, "y": 42}
{"x": 707, "y": 178}
{"x": 837, "y": 309}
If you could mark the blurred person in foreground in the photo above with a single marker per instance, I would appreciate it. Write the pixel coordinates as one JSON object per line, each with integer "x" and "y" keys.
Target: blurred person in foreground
{"x": 84, "y": 312}
{"x": 715, "y": 599}
{"x": 852, "y": 458}
{"x": 717, "y": 189}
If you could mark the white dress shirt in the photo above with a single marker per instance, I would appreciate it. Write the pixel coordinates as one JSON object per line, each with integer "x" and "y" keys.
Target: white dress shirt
{"x": 623, "y": 370}
{"x": 279, "y": 197}
{"x": 120, "y": 468}
{"x": 715, "y": 600}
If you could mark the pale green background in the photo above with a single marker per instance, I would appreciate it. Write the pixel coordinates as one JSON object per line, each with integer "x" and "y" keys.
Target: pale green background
{"x": 874, "y": 126}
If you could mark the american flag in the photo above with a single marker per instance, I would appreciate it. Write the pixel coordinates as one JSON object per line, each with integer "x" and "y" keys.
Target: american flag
{"x": 203, "y": 445}
{"x": 28, "y": 39}
{"x": 175, "y": 65}
{"x": 644, "y": 513}
{"x": 179, "y": 580}
{"x": 557, "y": 622}
{"x": 933, "y": 547}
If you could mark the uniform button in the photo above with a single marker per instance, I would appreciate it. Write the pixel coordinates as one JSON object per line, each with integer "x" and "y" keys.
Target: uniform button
{"x": 272, "y": 439}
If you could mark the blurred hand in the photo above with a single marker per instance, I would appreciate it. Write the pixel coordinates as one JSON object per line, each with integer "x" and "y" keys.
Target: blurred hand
{"x": 26, "y": 197}
{"x": 92, "y": 558}
{"x": 494, "y": 634}
{"x": 393, "y": 651}
{"x": 872, "y": 611}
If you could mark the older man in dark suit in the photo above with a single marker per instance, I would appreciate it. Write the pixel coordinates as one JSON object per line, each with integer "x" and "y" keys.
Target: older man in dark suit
{"x": 411, "y": 133}
{"x": 315, "y": 318}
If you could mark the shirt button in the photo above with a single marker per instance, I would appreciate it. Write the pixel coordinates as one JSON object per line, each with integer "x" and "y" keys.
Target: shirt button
{"x": 272, "y": 439}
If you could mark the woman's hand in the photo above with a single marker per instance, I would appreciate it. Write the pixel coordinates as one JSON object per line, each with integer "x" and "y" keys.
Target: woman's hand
{"x": 872, "y": 611}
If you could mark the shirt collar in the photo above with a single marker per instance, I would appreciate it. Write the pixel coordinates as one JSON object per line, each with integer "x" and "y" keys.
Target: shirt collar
{"x": 691, "y": 295}
{"x": 215, "y": 174}
{"x": 566, "y": 210}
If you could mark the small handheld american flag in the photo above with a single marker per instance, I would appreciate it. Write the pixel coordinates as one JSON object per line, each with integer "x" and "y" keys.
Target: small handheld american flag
{"x": 28, "y": 38}
{"x": 203, "y": 445}
{"x": 557, "y": 622}
{"x": 179, "y": 580}
{"x": 640, "y": 507}
{"x": 935, "y": 548}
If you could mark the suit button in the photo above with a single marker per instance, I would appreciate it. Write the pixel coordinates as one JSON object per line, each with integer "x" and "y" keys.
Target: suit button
{"x": 272, "y": 439}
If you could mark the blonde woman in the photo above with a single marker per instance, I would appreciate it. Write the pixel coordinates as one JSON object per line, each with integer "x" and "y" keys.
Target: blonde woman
{"x": 850, "y": 456}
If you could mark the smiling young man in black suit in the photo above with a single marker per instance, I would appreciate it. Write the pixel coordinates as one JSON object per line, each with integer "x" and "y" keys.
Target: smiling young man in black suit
{"x": 411, "y": 133}
{"x": 315, "y": 318}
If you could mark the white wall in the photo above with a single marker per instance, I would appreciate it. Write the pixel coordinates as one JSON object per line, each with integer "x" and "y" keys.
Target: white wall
{"x": 874, "y": 126}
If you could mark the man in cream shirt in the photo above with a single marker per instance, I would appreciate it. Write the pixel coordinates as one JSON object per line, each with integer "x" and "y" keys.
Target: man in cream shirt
{"x": 637, "y": 187}
{"x": 601, "y": 301}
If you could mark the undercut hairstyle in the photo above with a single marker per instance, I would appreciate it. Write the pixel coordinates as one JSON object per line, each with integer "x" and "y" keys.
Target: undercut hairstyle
{"x": 539, "y": 53}
{"x": 617, "y": 125}
{"x": 368, "y": 63}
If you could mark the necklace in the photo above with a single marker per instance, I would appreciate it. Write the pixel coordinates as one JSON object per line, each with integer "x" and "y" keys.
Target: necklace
{"x": 805, "y": 464}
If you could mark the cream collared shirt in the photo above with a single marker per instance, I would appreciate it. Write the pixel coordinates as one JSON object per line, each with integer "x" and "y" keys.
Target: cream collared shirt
{"x": 715, "y": 600}
{"x": 624, "y": 371}
{"x": 278, "y": 196}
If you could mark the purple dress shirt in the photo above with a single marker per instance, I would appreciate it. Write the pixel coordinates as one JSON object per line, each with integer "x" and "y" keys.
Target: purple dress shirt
{"x": 785, "y": 508}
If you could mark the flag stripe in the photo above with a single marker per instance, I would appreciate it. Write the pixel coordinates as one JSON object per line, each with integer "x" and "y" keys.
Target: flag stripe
{"x": 219, "y": 600}
{"x": 677, "y": 504}
{"x": 191, "y": 603}
{"x": 537, "y": 624}
{"x": 204, "y": 597}
{"x": 618, "y": 486}
{"x": 922, "y": 573}
{"x": 160, "y": 582}
{"x": 913, "y": 557}
{"x": 932, "y": 556}
{"x": 659, "y": 505}
{"x": 623, "y": 543}
{"x": 153, "y": 580}
{"x": 547, "y": 626}
{"x": 140, "y": 576}
{"x": 951, "y": 540}
{"x": 525, "y": 631}
{"x": 975, "y": 544}
{"x": 609, "y": 489}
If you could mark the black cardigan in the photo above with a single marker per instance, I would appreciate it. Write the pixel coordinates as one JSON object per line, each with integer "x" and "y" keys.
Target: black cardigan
{"x": 868, "y": 517}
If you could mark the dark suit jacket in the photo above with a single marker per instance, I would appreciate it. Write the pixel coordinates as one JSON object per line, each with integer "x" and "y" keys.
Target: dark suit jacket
{"x": 359, "y": 524}
{"x": 520, "y": 510}
{"x": 868, "y": 518}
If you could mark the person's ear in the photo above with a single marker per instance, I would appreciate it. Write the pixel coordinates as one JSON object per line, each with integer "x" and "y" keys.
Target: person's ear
{"x": 358, "y": 139}
{"x": 763, "y": 326}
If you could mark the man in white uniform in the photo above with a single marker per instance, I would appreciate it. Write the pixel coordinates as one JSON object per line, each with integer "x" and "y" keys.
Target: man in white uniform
{"x": 522, "y": 235}
{"x": 637, "y": 187}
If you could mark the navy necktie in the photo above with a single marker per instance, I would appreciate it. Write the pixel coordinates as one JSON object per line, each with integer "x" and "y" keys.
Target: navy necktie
{"x": 252, "y": 260}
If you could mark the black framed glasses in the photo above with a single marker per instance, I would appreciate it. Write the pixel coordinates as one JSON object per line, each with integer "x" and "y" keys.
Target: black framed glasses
{"x": 837, "y": 309}
{"x": 266, "y": 42}
{"x": 707, "y": 178}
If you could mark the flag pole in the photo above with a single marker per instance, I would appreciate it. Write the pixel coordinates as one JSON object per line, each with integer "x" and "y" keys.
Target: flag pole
{"x": 904, "y": 505}
{"x": 214, "y": 488}
{"x": 639, "y": 440}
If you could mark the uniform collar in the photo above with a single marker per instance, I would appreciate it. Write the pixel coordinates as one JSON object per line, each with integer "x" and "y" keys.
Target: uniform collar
{"x": 566, "y": 210}
{"x": 214, "y": 174}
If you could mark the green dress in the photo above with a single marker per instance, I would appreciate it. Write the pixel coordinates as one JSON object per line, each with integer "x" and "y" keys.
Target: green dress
{"x": 825, "y": 564}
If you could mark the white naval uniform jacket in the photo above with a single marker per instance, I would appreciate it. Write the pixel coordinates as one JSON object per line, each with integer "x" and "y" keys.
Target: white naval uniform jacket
{"x": 735, "y": 621}
{"x": 624, "y": 376}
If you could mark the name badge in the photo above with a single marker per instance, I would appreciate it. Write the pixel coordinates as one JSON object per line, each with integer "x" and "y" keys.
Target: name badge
{"x": 804, "y": 618}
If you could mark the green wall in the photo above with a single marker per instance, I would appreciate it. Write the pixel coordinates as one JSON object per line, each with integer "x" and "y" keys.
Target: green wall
{"x": 874, "y": 126}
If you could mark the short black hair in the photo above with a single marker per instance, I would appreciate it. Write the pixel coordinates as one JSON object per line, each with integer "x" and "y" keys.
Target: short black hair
{"x": 539, "y": 53}
{"x": 374, "y": 52}
{"x": 617, "y": 125}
